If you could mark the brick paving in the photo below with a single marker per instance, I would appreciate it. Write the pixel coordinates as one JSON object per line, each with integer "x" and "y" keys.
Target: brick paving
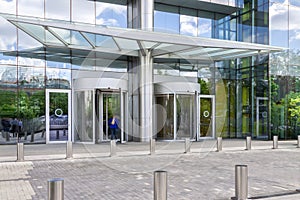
{"x": 203, "y": 174}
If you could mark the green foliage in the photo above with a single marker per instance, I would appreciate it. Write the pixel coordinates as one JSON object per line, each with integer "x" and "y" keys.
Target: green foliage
{"x": 294, "y": 105}
{"x": 58, "y": 100}
{"x": 22, "y": 104}
{"x": 204, "y": 86}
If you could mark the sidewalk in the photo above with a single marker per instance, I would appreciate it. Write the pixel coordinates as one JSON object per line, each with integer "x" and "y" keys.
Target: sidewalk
{"x": 201, "y": 174}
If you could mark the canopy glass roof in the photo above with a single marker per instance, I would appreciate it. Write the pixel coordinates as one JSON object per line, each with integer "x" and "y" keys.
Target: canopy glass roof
{"x": 60, "y": 37}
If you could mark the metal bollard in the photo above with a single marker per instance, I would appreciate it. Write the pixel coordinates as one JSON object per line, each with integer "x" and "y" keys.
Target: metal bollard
{"x": 112, "y": 148}
{"x": 69, "y": 150}
{"x": 7, "y": 135}
{"x": 248, "y": 143}
{"x": 20, "y": 152}
{"x": 275, "y": 142}
{"x": 219, "y": 144}
{"x": 160, "y": 185}
{"x": 187, "y": 145}
{"x": 152, "y": 146}
{"x": 56, "y": 189}
{"x": 298, "y": 143}
{"x": 241, "y": 182}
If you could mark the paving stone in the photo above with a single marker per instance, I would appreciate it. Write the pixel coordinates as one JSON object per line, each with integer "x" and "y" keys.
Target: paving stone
{"x": 202, "y": 174}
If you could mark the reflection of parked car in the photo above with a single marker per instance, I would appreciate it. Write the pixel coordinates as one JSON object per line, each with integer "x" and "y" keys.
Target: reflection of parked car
{"x": 58, "y": 123}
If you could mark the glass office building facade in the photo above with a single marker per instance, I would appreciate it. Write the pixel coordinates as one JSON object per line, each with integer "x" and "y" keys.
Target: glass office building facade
{"x": 168, "y": 70}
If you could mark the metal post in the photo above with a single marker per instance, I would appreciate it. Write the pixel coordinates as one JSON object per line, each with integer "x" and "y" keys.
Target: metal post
{"x": 7, "y": 135}
{"x": 112, "y": 148}
{"x": 248, "y": 143}
{"x": 241, "y": 182}
{"x": 275, "y": 141}
{"x": 298, "y": 143}
{"x": 160, "y": 185}
{"x": 219, "y": 144}
{"x": 187, "y": 145}
{"x": 32, "y": 136}
{"x": 69, "y": 150}
{"x": 20, "y": 152}
{"x": 152, "y": 146}
{"x": 56, "y": 189}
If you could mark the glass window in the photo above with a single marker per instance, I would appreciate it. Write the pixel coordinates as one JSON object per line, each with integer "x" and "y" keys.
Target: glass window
{"x": 8, "y": 76}
{"x": 33, "y": 8}
{"x": 27, "y": 42}
{"x": 279, "y": 26}
{"x": 294, "y": 33}
{"x": 58, "y": 78}
{"x": 8, "y": 6}
{"x": 111, "y": 14}
{"x": 188, "y": 22}
{"x": 205, "y": 21}
{"x": 31, "y": 77}
{"x": 188, "y": 25}
{"x": 83, "y": 11}
{"x": 166, "y": 22}
{"x": 8, "y": 42}
{"x": 57, "y": 9}
{"x": 8, "y": 110}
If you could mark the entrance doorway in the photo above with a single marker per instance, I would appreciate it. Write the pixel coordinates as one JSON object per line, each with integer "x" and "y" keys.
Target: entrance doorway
{"x": 179, "y": 111}
{"x": 206, "y": 116}
{"x": 111, "y": 103}
{"x": 58, "y": 115}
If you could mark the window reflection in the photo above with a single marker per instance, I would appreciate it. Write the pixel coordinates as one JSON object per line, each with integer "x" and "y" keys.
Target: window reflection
{"x": 188, "y": 25}
{"x": 31, "y": 77}
{"x": 35, "y": 8}
{"x": 8, "y": 76}
{"x": 8, "y": 6}
{"x": 83, "y": 11}
{"x": 57, "y": 9}
{"x": 111, "y": 14}
{"x": 58, "y": 78}
{"x": 166, "y": 22}
{"x": 8, "y": 36}
{"x": 26, "y": 42}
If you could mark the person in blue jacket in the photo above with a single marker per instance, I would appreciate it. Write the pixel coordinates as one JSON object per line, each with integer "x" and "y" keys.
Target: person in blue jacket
{"x": 113, "y": 127}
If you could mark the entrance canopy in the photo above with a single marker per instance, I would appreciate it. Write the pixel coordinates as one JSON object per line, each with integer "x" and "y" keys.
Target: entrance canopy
{"x": 61, "y": 37}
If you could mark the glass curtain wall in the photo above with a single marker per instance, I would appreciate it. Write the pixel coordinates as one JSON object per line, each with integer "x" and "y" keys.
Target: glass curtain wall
{"x": 284, "y": 68}
{"x": 27, "y": 68}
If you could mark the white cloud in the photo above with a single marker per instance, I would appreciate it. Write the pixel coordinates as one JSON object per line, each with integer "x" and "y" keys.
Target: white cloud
{"x": 8, "y": 6}
{"x": 285, "y": 17}
{"x": 280, "y": 13}
{"x": 33, "y": 8}
{"x": 188, "y": 25}
{"x": 8, "y": 36}
{"x": 118, "y": 9}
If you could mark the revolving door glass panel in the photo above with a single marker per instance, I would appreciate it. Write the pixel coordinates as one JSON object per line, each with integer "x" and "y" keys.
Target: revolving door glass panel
{"x": 185, "y": 105}
{"x": 111, "y": 104}
{"x": 165, "y": 124}
{"x": 83, "y": 115}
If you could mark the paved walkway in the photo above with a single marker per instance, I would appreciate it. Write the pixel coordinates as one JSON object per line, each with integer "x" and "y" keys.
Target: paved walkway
{"x": 201, "y": 174}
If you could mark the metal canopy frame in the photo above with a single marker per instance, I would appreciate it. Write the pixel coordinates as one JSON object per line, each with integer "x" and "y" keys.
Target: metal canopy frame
{"x": 129, "y": 42}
